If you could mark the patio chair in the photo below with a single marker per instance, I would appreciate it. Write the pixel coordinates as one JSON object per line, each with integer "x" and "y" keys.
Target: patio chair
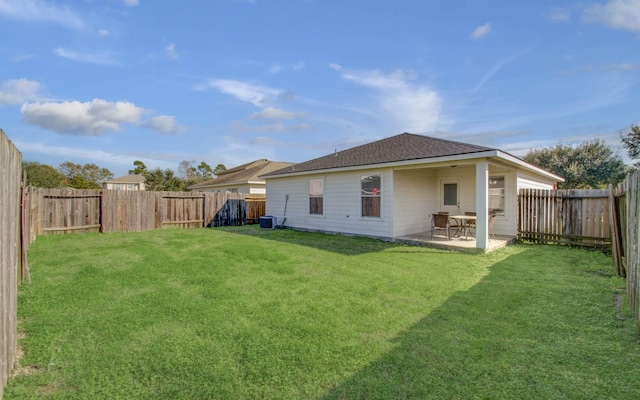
{"x": 471, "y": 224}
{"x": 492, "y": 220}
{"x": 440, "y": 222}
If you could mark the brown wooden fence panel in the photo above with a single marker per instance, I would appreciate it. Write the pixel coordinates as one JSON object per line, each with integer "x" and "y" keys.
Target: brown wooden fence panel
{"x": 579, "y": 217}
{"x": 633, "y": 244}
{"x": 57, "y": 211}
{"x": 10, "y": 253}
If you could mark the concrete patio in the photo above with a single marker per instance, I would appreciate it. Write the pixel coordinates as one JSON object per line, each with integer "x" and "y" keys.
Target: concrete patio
{"x": 456, "y": 243}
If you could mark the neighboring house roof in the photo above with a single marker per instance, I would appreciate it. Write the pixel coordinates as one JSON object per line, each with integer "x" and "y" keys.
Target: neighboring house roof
{"x": 128, "y": 179}
{"x": 243, "y": 174}
{"x": 398, "y": 148}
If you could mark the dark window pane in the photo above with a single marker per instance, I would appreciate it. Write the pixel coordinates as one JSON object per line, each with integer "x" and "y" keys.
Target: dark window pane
{"x": 450, "y": 194}
{"x": 371, "y": 206}
{"x": 315, "y": 205}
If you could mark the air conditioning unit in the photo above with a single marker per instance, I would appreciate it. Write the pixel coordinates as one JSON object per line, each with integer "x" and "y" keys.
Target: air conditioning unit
{"x": 268, "y": 222}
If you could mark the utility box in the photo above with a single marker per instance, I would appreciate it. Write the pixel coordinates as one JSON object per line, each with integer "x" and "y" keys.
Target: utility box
{"x": 268, "y": 222}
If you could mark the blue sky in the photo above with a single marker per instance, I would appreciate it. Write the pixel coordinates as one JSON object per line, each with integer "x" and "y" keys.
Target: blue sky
{"x": 232, "y": 81}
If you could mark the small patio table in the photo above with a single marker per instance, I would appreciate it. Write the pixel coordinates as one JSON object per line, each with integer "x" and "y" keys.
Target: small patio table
{"x": 465, "y": 222}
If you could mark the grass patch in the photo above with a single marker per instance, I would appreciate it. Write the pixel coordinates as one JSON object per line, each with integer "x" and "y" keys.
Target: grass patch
{"x": 245, "y": 313}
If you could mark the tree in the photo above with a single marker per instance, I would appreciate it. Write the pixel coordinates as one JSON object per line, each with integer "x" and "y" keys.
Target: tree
{"x": 186, "y": 170}
{"x": 42, "y": 175}
{"x": 140, "y": 168}
{"x": 88, "y": 176}
{"x": 204, "y": 171}
{"x": 631, "y": 142}
{"x": 591, "y": 165}
{"x": 219, "y": 168}
{"x": 163, "y": 180}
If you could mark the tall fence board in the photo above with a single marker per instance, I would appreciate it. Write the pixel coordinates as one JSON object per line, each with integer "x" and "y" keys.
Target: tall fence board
{"x": 626, "y": 243}
{"x": 10, "y": 254}
{"x": 579, "y": 217}
{"x": 61, "y": 211}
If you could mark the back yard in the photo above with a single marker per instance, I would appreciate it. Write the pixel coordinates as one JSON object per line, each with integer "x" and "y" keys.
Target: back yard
{"x": 244, "y": 313}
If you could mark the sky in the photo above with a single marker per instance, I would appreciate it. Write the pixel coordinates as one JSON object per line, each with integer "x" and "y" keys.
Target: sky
{"x": 232, "y": 81}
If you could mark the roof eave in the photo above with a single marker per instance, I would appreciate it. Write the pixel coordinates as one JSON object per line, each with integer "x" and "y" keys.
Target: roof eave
{"x": 432, "y": 160}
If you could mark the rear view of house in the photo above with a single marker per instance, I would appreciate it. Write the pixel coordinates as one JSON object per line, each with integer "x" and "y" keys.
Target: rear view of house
{"x": 390, "y": 188}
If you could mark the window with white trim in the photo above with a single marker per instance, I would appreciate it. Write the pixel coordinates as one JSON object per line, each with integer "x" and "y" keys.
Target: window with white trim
{"x": 370, "y": 193}
{"x": 496, "y": 194}
{"x": 316, "y": 196}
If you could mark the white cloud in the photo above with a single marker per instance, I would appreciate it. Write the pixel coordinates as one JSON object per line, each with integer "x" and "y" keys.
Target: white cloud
{"x": 164, "y": 124}
{"x": 74, "y": 153}
{"x": 18, "y": 91}
{"x": 103, "y": 32}
{"x": 170, "y": 51}
{"x": 619, "y": 14}
{"x": 91, "y": 118}
{"x": 102, "y": 58}
{"x": 415, "y": 107}
{"x": 277, "y": 68}
{"x": 131, "y": 3}
{"x": 41, "y": 11}
{"x": 95, "y": 117}
{"x": 559, "y": 15}
{"x": 481, "y": 31}
{"x": 335, "y": 67}
{"x": 259, "y": 96}
{"x": 275, "y": 113}
{"x": 240, "y": 128}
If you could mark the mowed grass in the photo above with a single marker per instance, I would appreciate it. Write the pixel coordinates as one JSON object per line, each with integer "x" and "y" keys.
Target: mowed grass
{"x": 244, "y": 313}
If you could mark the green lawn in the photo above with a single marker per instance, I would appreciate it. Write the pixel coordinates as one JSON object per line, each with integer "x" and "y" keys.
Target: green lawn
{"x": 244, "y": 313}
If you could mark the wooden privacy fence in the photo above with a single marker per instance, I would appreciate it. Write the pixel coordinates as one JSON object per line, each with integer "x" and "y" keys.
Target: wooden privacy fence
{"x": 10, "y": 254}
{"x": 578, "y": 217}
{"x": 626, "y": 241}
{"x": 58, "y": 211}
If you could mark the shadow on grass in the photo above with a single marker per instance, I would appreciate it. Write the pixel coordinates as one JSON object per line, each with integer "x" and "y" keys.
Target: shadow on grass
{"x": 529, "y": 329}
{"x": 337, "y": 243}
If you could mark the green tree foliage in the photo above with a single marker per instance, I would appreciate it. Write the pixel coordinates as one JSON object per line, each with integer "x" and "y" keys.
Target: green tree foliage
{"x": 87, "y": 176}
{"x": 164, "y": 180}
{"x": 204, "y": 171}
{"x": 159, "y": 179}
{"x": 591, "y": 165}
{"x": 631, "y": 142}
{"x": 219, "y": 168}
{"x": 139, "y": 168}
{"x": 42, "y": 175}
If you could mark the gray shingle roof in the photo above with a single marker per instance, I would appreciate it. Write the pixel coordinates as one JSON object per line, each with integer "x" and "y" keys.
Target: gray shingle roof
{"x": 243, "y": 174}
{"x": 402, "y": 147}
{"x": 128, "y": 179}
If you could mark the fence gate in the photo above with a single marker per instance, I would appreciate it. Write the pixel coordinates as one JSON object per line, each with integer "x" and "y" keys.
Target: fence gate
{"x": 579, "y": 217}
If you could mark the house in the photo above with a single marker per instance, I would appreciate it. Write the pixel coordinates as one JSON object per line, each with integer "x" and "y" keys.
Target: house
{"x": 241, "y": 179}
{"x": 129, "y": 182}
{"x": 390, "y": 188}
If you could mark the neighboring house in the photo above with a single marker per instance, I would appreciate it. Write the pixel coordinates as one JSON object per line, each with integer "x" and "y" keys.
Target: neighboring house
{"x": 391, "y": 187}
{"x": 129, "y": 182}
{"x": 241, "y": 179}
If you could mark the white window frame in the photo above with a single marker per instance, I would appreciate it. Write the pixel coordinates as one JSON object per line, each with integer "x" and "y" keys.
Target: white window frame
{"x": 377, "y": 195}
{"x": 316, "y": 191}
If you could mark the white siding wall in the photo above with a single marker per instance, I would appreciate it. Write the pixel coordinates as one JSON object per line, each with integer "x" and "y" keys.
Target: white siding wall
{"x": 341, "y": 203}
{"x": 415, "y": 198}
{"x": 529, "y": 181}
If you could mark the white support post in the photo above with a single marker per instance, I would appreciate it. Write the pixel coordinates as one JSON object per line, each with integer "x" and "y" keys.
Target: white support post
{"x": 482, "y": 205}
